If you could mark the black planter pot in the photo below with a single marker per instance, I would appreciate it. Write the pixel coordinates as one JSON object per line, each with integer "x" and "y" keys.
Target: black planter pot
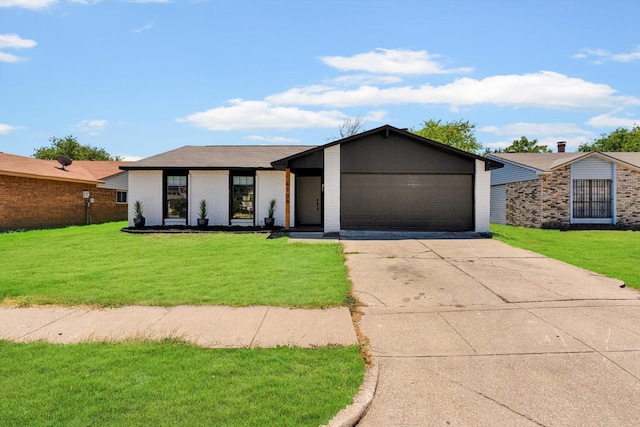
{"x": 203, "y": 222}
{"x": 139, "y": 222}
{"x": 268, "y": 222}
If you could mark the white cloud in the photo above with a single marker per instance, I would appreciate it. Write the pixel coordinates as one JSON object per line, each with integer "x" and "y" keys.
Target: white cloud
{"x": 363, "y": 79}
{"x": 392, "y": 61}
{"x": 85, "y": 2}
{"x": 543, "y": 89}
{"x": 6, "y": 129}
{"x": 243, "y": 114}
{"x": 130, "y": 158}
{"x": 606, "y": 120}
{"x": 28, "y": 4}
{"x": 149, "y": 1}
{"x": 93, "y": 127}
{"x": 14, "y": 41}
{"x": 274, "y": 139}
{"x": 7, "y": 57}
{"x": 601, "y": 56}
{"x": 145, "y": 28}
{"x": 535, "y": 130}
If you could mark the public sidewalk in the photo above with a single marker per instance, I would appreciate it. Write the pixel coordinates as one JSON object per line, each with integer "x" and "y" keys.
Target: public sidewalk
{"x": 206, "y": 326}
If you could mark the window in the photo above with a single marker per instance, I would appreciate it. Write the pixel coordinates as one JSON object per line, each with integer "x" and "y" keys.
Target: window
{"x": 242, "y": 197}
{"x": 121, "y": 196}
{"x": 592, "y": 198}
{"x": 176, "y": 187}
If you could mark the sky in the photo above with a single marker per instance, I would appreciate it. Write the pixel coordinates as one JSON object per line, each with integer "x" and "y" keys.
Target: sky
{"x": 141, "y": 77}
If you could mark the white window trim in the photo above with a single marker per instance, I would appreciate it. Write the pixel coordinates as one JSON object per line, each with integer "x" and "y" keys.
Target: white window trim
{"x": 614, "y": 215}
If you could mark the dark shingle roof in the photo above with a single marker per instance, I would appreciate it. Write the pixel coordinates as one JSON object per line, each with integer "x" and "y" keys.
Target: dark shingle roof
{"x": 219, "y": 157}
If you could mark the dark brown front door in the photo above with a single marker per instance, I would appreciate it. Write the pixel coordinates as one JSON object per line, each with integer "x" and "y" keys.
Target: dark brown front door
{"x": 309, "y": 200}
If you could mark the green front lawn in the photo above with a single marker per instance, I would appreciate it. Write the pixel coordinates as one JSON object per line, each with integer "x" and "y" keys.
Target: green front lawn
{"x": 173, "y": 384}
{"x": 100, "y": 265}
{"x": 611, "y": 253}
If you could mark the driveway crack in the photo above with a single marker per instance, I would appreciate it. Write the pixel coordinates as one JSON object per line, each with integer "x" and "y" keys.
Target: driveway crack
{"x": 485, "y": 396}
{"x": 465, "y": 273}
{"x": 258, "y": 328}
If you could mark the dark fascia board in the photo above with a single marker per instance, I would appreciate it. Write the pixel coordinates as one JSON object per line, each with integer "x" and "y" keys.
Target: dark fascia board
{"x": 489, "y": 164}
{"x": 199, "y": 168}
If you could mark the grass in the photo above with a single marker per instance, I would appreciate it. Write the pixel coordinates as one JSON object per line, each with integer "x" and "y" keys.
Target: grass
{"x": 611, "y": 253}
{"x": 100, "y": 265}
{"x": 171, "y": 383}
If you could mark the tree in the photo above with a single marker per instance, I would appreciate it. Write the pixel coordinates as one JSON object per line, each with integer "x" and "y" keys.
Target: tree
{"x": 457, "y": 133}
{"x": 523, "y": 145}
{"x": 71, "y": 148}
{"x": 621, "y": 139}
{"x": 349, "y": 127}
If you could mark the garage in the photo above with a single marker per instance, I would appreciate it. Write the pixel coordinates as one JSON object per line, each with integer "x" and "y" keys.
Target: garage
{"x": 389, "y": 179}
{"x": 398, "y": 181}
{"x": 428, "y": 202}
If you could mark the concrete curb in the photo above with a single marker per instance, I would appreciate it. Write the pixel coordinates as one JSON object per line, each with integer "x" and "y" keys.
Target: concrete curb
{"x": 352, "y": 414}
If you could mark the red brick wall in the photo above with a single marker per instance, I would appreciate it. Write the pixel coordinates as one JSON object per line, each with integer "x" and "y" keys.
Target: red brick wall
{"x": 28, "y": 203}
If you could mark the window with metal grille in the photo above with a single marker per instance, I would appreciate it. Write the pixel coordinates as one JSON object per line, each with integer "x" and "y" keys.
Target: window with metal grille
{"x": 592, "y": 198}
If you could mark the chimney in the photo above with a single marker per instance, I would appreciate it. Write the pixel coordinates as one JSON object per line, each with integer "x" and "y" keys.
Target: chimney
{"x": 561, "y": 146}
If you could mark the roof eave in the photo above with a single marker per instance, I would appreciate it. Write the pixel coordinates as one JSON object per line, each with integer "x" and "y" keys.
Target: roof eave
{"x": 50, "y": 178}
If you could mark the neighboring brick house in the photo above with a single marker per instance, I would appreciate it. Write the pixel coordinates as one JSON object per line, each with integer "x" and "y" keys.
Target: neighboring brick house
{"x": 39, "y": 194}
{"x": 560, "y": 190}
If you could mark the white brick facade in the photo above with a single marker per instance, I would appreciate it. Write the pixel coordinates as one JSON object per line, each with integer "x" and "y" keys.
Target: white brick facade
{"x": 212, "y": 186}
{"x": 146, "y": 186}
{"x": 332, "y": 189}
{"x": 482, "y": 198}
{"x": 270, "y": 185}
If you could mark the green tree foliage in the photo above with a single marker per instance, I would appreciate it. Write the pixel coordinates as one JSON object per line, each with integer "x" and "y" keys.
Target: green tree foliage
{"x": 71, "y": 148}
{"x": 621, "y": 139}
{"x": 524, "y": 145}
{"x": 457, "y": 133}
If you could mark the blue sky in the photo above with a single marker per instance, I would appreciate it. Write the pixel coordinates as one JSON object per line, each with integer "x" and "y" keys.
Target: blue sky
{"x": 141, "y": 77}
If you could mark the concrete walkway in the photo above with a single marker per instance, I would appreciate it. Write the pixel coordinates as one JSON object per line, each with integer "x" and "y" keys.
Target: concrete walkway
{"x": 474, "y": 332}
{"x": 206, "y": 326}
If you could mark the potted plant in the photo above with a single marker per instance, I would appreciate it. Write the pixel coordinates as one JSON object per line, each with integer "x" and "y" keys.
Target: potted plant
{"x": 138, "y": 219}
{"x": 269, "y": 221}
{"x": 203, "y": 221}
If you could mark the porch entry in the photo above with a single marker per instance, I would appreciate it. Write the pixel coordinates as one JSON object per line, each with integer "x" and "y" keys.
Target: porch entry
{"x": 309, "y": 200}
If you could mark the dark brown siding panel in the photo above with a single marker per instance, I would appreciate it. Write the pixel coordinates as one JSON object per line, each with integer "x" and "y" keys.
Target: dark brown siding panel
{"x": 399, "y": 154}
{"x": 426, "y": 202}
{"x": 313, "y": 160}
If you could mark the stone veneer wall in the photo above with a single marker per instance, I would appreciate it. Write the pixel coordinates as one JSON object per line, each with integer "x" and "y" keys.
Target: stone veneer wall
{"x": 627, "y": 196}
{"x": 524, "y": 203}
{"x": 556, "y": 207}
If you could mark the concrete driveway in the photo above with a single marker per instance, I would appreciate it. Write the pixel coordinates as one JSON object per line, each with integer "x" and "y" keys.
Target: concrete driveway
{"x": 474, "y": 332}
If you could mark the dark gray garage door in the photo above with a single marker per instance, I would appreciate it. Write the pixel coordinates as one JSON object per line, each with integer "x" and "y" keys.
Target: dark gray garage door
{"x": 426, "y": 202}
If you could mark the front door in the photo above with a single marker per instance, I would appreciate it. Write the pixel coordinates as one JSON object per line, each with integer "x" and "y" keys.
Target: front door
{"x": 309, "y": 200}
